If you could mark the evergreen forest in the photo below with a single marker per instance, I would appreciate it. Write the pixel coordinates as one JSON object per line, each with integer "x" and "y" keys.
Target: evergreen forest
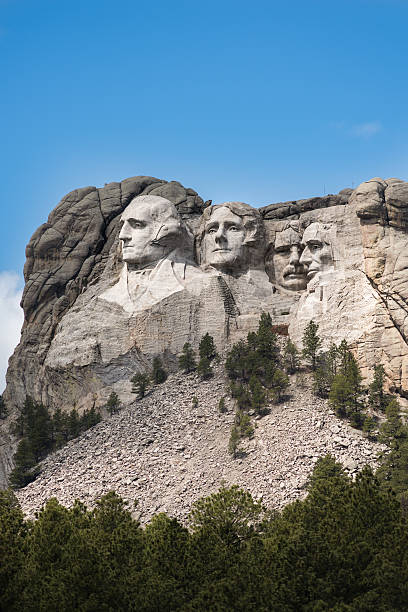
{"x": 344, "y": 547}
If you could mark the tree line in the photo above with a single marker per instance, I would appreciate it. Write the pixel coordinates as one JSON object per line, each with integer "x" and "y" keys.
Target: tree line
{"x": 343, "y": 548}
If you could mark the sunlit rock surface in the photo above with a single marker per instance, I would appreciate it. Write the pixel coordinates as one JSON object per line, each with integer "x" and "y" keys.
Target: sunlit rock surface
{"x": 115, "y": 278}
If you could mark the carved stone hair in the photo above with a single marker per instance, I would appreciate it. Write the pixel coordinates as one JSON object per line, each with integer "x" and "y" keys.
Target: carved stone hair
{"x": 251, "y": 219}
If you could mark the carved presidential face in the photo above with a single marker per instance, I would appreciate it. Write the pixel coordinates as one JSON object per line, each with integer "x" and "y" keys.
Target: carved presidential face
{"x": 317, "y": 251}
{"x": 224, "y": 237}
{"x": 142, "y": 230}
{"x": 289, "y": 272}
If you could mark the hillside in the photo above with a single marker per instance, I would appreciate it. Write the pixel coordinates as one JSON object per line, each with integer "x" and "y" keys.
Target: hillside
{"x": 164, "y": 453}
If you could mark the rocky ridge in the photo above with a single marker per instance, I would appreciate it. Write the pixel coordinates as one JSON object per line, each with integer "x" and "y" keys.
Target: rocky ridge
{"x": 165, "y": 453}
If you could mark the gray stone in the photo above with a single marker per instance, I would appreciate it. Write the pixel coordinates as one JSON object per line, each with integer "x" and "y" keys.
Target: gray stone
{"x": 97, "y": 313}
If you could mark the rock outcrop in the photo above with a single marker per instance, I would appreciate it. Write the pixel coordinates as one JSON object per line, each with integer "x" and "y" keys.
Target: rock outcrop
{"x": 121, "y": 274}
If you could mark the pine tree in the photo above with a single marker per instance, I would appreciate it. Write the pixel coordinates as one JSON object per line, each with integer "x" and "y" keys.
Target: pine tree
{"x": 204, "y": 368}
{"x": 113, "y": 403}
{"x": 369, "y": 426}
{"x": 346, "y": 394}
{"x": 290, "y": 357}
{"x": 280, "y": 383}
{"x": 74, "y": 424}
{"x": 159, "y": 374}
{"x": 311, "y": 343}
{"x": 266, "y": 341}
{"x": 393, "y": 469}
{"x": 24, "y": 471}
{"x": 90, "y": 418}
{"x": 187, "y": 360}
{"x": 140, "y": 384}
{"x": 25, "y": 419}
{"x": 393, "y": 429}
{"x": 377, "y": 398}
{"x": 243, "y": 422}
{"x": 233, "y": 443}
{"x": 39, "y": 432}
{"x": 243, "y": 397}
{"x": 356, "y": 407}
{"x": 326, "y": 370}
{"x": 236, "y": 363}
{"x": 258, "y": 395}
{"x": 207, "y": 347}
{"x": 221, "y": 405}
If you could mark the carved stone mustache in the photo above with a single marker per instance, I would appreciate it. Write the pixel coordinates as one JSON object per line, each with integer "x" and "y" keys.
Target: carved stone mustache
{"x": 297, "y": 269}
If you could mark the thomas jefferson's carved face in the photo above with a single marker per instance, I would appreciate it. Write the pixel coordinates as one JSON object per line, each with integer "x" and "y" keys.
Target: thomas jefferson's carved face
{"x": 289, "y": 271}
{"x": 317, "y": 253}
{"x": 141, "y": 224}
{"x": 224, "y": 237}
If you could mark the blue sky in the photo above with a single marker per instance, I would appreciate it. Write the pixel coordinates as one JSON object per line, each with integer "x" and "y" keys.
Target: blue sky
{"x": 257, "y": 101}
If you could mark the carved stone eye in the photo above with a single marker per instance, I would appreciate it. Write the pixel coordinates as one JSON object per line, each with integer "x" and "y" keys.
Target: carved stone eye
{"x": 135, "y": 224}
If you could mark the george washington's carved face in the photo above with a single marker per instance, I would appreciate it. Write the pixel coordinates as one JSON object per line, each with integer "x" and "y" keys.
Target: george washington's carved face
{"x": 150, "y": 229}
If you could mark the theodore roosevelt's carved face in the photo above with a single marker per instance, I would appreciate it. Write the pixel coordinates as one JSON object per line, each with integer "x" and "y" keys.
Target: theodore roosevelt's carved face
{"x": 289, "y": 271}
{"x": 224, "y": 239}
{"x": 317, "y": 251}
{"x": 149, "y": 227}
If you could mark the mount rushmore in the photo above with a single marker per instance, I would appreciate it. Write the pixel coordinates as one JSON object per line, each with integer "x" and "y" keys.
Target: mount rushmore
{"x": 122, "y": 274}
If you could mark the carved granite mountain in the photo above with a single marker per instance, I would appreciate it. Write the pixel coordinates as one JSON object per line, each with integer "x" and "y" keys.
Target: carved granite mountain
{"x": 121, "y": 274}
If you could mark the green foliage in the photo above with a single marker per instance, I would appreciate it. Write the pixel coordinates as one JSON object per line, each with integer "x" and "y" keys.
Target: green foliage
{"x": 377, "y": 398}
{"x": 258, "y": 356}
{"x": 258, "y": 395}
{"x": 326, "y": 370}
{"x": 204, "y": 368}
{"x": 113, "y": 403}
{"x": 346, "y": 393}
{"x": 140, "y": 382}
{"x": 291, "y": 357}
{"x": 280, "y": 382}
{"x": 187, "y": 360}
{"x": 234, "y": 439}
{"x": 194, "y": 403}
{"x": 311, "y": 343}
{"x": 25, "y": 461}
{"x": 369, "y": 426}
{"x": 159, "y": 374}
{"x": 344, "y": 547}
{"x": 231, "y": 516}
{"x": 221, "y": 405}
{"x": 42, "y": 433}
{"x": 12, "y": 554}
{"x": 207, "y": 348}
{"x": 243, "y": 422}
{"x": 393, "y": 470}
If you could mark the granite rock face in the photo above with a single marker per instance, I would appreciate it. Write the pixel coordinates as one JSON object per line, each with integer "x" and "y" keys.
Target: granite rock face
{"x": 121, "y": 274}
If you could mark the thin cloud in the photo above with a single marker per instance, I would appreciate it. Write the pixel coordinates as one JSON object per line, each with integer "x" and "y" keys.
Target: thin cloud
{"x": 11, "y": 319}
{"x": 366, "y": 130}
{"x": 358, "y": 130}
